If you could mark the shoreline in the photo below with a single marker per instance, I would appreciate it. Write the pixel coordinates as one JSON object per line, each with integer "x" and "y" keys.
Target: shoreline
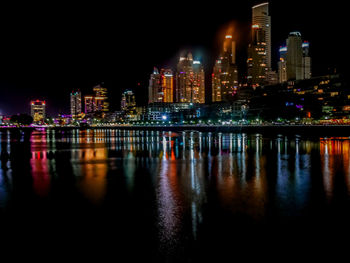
{"x": 338, "y": 130}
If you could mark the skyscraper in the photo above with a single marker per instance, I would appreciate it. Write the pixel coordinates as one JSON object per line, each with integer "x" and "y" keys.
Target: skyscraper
{"x": 295, "y": 61}
{"x": 306, "y": 63}
{"x": 101, "y": 100}
{"x": 259, "y": 51}
{"x": 225, "y": 73}
{"x": 161, "y": 86}
{"x": 167, "y": 83}
{"x": 154, "y": 88}
{"x": 257, "y": 59}
{"x": 89, "y": 102}
{"x": 282, "y": 65}
{"x": 190, "y": 80}
{"x": 294, "y": 56}
{"x": 38, "y": 110}
{"x": 128, "y": 104}
{"x": 75, "y": 103}
{"x": 262, "y": 19}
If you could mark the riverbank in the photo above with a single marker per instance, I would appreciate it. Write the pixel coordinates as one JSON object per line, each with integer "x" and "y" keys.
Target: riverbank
{"x": 333, "y": 130}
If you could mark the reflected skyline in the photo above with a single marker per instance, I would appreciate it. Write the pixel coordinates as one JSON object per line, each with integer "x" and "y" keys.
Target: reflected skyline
{"x": 186, "y": 176}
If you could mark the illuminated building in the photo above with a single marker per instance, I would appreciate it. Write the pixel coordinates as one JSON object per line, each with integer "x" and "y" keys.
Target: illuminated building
{"x": 190, "y": 78}
{"x": 257, "y": 58}
{"x": 225, "y": 73}
{"x": 259, "y": 50}
{"x": 101, "y": 100}
{"x": 128, "y": 104}
{"x": 167, "y": 84}
{"x": 89, "y": 102}
{"x": 294, "y": 56}
{"x": 155, "y": 87}
{"x": 262, "y": 19}
{"x": 282, "y": 65}
{"x": 38, "y": 110}
{"x": 75, "y": 103}
{"x": 161, "y": 86}
{"x": 295, "y": 61}
{"x": 306, "y": 63}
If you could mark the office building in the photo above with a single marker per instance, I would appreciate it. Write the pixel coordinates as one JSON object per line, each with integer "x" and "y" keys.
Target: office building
{"x": 75, "y": 104}
{"x": 155, "y": 87}
{"x": 225, "y": 73}
{"x": 190, "y": 80}
{"x": 101, "y": 99}
{"x": 259, "y": 50}
{"x": 295, "y": 60}
{"x": 167, "y": 85}
{"x": 282, "y": 65}
{"x": 38, "y": 110}
{"x": 89, "y": 102}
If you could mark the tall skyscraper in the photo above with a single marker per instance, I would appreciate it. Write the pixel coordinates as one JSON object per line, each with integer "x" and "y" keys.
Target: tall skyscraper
{"x": 101, "y": 100}
{"x": 190, "y": 80}
{"x": 75, "y": 103}
{"x": 282, "y": 65}
{"x": 38, "y": 110}
{"x": 128, "y": 104}
{"x": 167, "y": 83}
{"x": 259, "y": 51}
{"x": 306, "y": 64}
{"x": 295, "y": 61}
{"x": 154, "y": 88}
{"x": 225, "y": 73}
{"x": 161, "y": 86}
{"x": 294, "y": 56}
{"x": 257, "y": 59}
{"x": 89, "y": 102}
{"x": 262, "y": 19}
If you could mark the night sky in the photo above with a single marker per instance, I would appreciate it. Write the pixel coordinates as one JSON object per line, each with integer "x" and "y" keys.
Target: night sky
{"x": 46, "y": 50}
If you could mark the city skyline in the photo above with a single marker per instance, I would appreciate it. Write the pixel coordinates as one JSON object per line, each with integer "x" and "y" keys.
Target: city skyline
{"x": 57, "y": 102}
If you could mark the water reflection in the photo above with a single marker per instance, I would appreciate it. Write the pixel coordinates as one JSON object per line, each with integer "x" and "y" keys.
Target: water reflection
{"x": 191, "y": 172}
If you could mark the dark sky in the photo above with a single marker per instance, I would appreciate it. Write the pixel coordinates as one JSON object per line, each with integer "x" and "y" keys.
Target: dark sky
{"x": 46, "y": 50}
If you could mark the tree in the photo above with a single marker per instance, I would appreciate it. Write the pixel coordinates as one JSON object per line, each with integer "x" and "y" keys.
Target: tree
{"x": 22, "y": 119}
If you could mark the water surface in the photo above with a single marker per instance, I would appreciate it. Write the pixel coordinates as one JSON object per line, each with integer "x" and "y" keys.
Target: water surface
{"x": 173, "y": 197}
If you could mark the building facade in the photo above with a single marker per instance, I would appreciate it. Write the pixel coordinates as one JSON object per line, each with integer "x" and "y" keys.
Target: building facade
{"x": 128, "y": 105}
{"x": 75, "y": 104}
{"x": 295, "y": 60}
{"x": 225, "y": 73}
{"x": 38, "y": 110}
{"x": 89, "y": 102}
{"x": 259, "y": 50}
{"x": 101, "y": 99}
{"x": 190, "y": 80}
{"x": 161, "y": 86}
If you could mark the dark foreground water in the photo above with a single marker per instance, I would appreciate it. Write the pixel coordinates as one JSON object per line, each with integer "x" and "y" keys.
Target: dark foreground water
{"x": 173, "y": 197}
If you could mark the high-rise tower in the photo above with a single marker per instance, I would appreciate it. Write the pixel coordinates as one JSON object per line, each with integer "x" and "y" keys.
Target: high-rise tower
{"x": 259, "y": 51}
{"x": 75, "y": 103}
{"x": 225, "y": 73}
{"x": 167, "y": 84}
{"x": 154, "y": 87}
{"x": 262, "y": 19}
{"x": 294, "y": 56}
{"x": 101, "y": 100}
{"x": 161, "y": 86}
{"x": 38, "y": 110}
{"x": 190, "y": 80}
{"x": 295, "y": 61}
